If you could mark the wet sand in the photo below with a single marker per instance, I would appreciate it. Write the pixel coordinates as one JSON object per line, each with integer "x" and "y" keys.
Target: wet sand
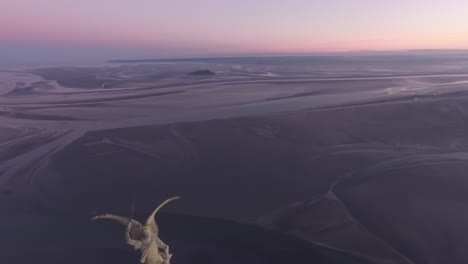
{"x": 356, "y": 165}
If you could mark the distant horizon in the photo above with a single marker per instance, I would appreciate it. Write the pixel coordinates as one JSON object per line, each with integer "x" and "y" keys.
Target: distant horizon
{"x": 301, "y": 54}
{"x": 5, "y": 64}
{"x": 88, "y": 31}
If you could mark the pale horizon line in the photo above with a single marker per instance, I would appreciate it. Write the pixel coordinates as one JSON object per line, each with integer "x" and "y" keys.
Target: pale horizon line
{"x": 297, "y": 54}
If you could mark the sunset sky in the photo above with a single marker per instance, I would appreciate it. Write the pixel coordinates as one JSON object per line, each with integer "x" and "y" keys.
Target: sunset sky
{"x": 175, "y": 28}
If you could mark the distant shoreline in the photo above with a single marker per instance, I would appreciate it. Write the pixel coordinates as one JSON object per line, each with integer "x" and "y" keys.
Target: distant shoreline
{"x": 418, "y": 52}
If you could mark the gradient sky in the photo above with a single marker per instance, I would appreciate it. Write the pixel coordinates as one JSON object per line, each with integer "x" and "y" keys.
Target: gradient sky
{"x": 49, "y": 29}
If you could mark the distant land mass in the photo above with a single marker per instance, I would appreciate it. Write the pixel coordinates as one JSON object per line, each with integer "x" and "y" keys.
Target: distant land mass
{"x": 202, "y": 73}
{"x": 311, "y": 55}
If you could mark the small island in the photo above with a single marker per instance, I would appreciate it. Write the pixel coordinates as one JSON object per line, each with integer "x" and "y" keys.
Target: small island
{"x": 202, "y": 73}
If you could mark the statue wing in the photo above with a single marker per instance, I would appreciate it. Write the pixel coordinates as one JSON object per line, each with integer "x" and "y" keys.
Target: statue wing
{"x": 136, "y": 229}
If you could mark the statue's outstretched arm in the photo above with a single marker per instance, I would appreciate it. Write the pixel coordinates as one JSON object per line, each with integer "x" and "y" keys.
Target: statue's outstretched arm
{"x": 133, "y": 231}
{"x": 121, "y": 219}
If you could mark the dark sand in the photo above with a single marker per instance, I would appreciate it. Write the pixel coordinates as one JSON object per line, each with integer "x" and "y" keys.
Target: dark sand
{"x": 279, "y": 162}
{"x": 291, "y": 158}
{"x": 77, "y": 239}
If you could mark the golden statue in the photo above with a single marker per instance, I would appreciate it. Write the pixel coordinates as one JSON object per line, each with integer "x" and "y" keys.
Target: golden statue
{"x": 145, "y": 237}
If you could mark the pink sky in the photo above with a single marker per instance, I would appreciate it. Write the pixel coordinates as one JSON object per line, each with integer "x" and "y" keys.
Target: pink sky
{"x": 205, "y": 27}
